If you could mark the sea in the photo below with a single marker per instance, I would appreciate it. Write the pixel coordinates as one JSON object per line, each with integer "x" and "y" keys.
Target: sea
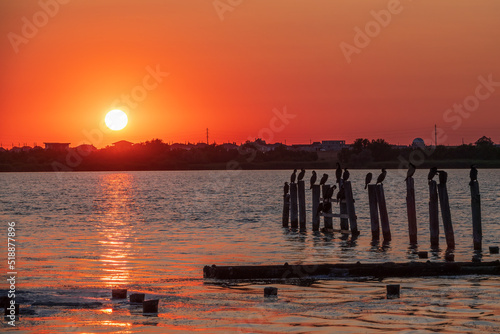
{"x": 78, "y": 235}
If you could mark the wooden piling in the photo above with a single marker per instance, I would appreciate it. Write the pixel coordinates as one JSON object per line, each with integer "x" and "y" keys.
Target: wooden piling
{"x": 393, "y": 291}
{"x": 294, "y": 218}
{"x": 328, "y": 220}
{"x": 384, "y": 217}
{"x": 302, "y": 205}
{"x": 286, "y": 210}
{"x": 372, "y": 199}
{"x": 150, "y": 306}
{"x": 446, "y": 215}
{"x": 350, "y": 208}
{"x": 270, "y": 291}
{"x": 411, "y": 210}
{"x": 137, "y": 298}
{"x": 477, "y": 232}
{"x": 315, "y": 204}
{"x": 119, "y": 293}
{"x": 433, "y": 214}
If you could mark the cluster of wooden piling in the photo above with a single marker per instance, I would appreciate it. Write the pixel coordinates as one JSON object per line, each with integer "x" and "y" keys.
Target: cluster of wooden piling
{"x": 294, "y": 210}
{"x": 148, "y": 306}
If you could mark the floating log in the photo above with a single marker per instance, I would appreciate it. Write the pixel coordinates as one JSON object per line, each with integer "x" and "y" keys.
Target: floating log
{"x": 411, "y": 210}
{"x": 433, "y": 214}
{"x": 315, "y": 204}
{"x": 294, "y": 214}
{"x": 384, "y": 217}
{"x": 302, "y": 204}
{"x": 477, "y": 232}
{"x": 286, "y": 210}
{"x": 446, "y": 215}
{"x": 350, "y": 208}
{"x": 372, "y": 198}
{"x": 345, "y": 270}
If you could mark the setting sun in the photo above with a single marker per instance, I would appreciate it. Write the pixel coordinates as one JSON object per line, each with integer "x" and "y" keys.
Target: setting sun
{"x": 116, "y": 119}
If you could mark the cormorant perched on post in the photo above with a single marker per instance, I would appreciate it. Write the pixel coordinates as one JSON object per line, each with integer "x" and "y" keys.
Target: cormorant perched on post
{"x": 320, "y": 208}
{"x": 301, "y": 174}
{"x": 443, "y": 176}
{"x": 286, "y": 188}
{"x": 327, "y": 207}
{"x": 294, "y": 175}
{"x": 473, "y": 173}
{"x": 313, "y": 179}
{"x": 382, "y": 176}
{"x": 323, "y": 179}
{"x": 341, "y": 194}
{"x": 411, "y": 171}
{"x": 432, "y": 172}
{"x": 329, "y": 192}
{"x": 346, "y": 175}
{"x": 368, "y": 179}
{"x": 338, "y": 173}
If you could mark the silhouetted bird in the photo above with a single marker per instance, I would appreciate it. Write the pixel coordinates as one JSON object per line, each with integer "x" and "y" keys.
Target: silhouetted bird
{"x": 443, "y": 176}
{"x": 286, "y": 188}
{"x": 382, "y": 176}
{"x": 432, "y": 172}
{"x": 320, "y": 208}
{"x": 323, "y": 179}
{"x": 473, "y": 173}
{"x": 346, "y": 175}
{"x": 368, "y": 179}
{"x": 411, "y": 171}
{"x": 327, "y": 207}
{"x": 313, "y": 179}
{"x": 301, "y": 174}
{"x": 341, "y": 194}
{"x": 329, "y": 192}
{"x": 338, "y": 173}
{"x": 294, "y": 176}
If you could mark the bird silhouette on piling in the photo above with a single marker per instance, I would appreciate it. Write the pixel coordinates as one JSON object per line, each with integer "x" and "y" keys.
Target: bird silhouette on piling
{"x": 432, "y": 172}
{"x": 323, "y": 179}
{"x": 313, "y": 178}
{"x": 473, "y": 173}
{"x": 411, "y": 171}
{"x": 368, "y": 179}
{"x": 293, "y": 176}
{"x": 329, "y": 193}
{"x": 346, "y": 175}
{"x": 443, "y": 176}
{"x": 301, "y": 174}
{"x": 382, "y": 176}
{"x": 341, "y": 194}
{"x": 286, "y": 188}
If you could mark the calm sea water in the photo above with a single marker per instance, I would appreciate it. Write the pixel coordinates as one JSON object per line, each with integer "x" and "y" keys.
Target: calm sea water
{"x": 81, "y": 234}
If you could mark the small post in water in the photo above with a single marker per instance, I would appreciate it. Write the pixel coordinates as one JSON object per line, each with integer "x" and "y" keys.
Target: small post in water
{"x": 302, "y": 205}
{"x": 446, "y": 215}
{"x": 384, "y": 217}
{"x": 350, "y": 208}
{"x": 286, "y": 209}
{"x": 372, "y": 199}
{"x": 315, "y": 205}
{"x": 477, "y": 232}
{"x": 294, "y": 218}
{"x": 410, "y": 207}
{"x": 327, "y": 202}
{"x": 433, "y": 214}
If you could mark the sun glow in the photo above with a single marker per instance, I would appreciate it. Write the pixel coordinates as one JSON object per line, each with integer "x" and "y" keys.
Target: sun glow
{"x": 116, "y": 119}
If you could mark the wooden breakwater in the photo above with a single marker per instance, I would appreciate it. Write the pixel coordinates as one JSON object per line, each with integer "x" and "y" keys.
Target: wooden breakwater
{"x": 346, "y": 270}
{"x": 323, "y": 205}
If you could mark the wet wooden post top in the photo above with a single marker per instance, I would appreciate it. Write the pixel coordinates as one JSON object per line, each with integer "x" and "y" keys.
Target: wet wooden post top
{"x": 411, "y": 210}
{"x": 477, "y": 232}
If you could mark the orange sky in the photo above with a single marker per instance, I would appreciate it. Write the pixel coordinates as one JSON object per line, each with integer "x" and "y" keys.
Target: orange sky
{"x": 58, "y": 82}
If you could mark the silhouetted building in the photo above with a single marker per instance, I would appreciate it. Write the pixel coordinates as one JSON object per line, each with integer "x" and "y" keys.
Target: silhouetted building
{"x": 57, "y": 146}
{"x": 332, "y": 145}
{"x": 418, "y": 143}
{"x": 123, "y": 145}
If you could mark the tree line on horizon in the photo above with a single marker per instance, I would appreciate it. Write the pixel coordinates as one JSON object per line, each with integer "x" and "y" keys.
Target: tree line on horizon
{"x": 157, "y": 155}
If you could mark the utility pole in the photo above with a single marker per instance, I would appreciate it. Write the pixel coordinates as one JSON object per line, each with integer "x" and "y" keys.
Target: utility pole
{"x": 207, "y": 136}
{"x": 435, "y": 135}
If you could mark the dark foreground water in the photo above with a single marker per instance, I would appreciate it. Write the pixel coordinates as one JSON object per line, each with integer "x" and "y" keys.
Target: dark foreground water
{"x": 81, "y": 234}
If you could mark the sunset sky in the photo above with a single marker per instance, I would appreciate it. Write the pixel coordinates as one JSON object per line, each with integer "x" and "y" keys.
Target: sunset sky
{"x": 188, "y": 65}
